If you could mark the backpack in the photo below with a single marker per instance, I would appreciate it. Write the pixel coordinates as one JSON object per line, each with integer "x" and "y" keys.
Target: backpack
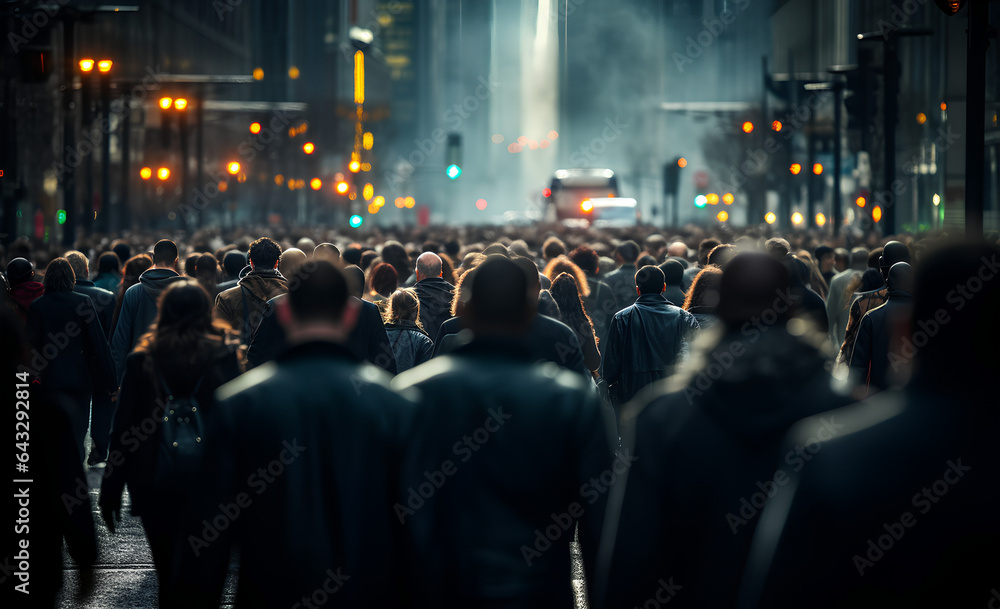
{"x": 181, "y": 437}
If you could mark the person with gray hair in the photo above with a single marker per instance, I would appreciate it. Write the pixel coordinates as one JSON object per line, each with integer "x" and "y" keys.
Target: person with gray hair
{"x": 104, "y": 300}
{"x": 435, "y": 294}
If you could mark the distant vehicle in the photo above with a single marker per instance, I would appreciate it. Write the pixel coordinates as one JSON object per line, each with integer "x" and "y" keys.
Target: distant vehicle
{"x": 613, "y": 212}
{"x": 571, "y": 187}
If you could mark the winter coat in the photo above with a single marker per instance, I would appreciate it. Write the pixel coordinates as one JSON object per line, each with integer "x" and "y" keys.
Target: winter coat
{"x": 108, "y": 281}
{"x": 104, "y": 302}
{"x": 138, "y": 311}
{"x": 243, "y": 306}
{"x": 875, "y": 356}
{"x": 410, "y": 346}
{"x": 435, "y": 295}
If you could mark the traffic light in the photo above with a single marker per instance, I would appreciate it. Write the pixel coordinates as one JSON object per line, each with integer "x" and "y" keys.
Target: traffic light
{"x": 861, "y": 92}
{"x": 453, "y": 156}
{"x": 950, "y": 7}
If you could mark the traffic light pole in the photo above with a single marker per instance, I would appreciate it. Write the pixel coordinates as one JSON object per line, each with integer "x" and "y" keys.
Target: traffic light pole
{"x": 975, "y": 139}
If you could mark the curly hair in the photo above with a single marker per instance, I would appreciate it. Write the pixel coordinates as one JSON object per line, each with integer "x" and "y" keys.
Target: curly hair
{"x": 565, "y": 291}
{"x": 562, "y": 264}
{"x": 705, "y": 283}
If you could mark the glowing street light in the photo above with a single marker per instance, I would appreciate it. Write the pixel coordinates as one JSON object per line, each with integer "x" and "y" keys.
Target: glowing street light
{"x": 180, "y": 103}
{"x": 722, "y": 216}
{"x": 359, "y": 77}
{"x": 162, "y": 173}
{"x": 166, "y": 102}
{"x": 233, "y": 168}
{"x": 818, "y": 168}
{"x": 820, "y": 220}
{"x": 342, "y": 187}
{"x": 308, "y": 147}
{"x": 145, "y": 173}
{"x": 86, "y": 65}
{"x": 747, "y": 127}
{"x": 409, "y": 202}
{"x": 728, "y": 198}
{"x": 770, "y": 218}
{"x": 104, "y": 66}
{"x": 795, "y": 169}
{"x": 315, "y": 183}
{"x": 797, "y": 218}
{"x": 255, "y": 127}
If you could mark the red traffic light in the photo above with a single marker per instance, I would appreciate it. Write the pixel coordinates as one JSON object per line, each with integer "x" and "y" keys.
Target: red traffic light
{"x": 950, "y": 7}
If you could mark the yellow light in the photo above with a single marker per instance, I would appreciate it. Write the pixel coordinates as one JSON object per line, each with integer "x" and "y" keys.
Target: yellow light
{"x": 315, "y": 183}
{"x": 682, "y": 162}
{"x": 876, "y": 213}
{"x": 293, "y": 72}
{"x": 233, "y": 168}
{"x": 352, "y": 196}
{"x": 797, "y": 218}
{"x": 180, "y": 103}
{"x": 372, "y": 208}
{"x": 400, "y": 202}
{"x": 279, "y": 179}
{"x": 860, "y": 201}
{"x": 818, "y": 168}
{"x": 776, "y": 126}
{"x": 104, "y": 66}
{"x": 368, "y": 192}
{"x": 722, "y": 216}
{"x": 162, "y": 173}
{"x": 795, "y": 169}
{"x": 728, "y": 198}
{"x": 145, "y": 173}
{"x": 255, "y": 127}
{"x": 342, "y": 187}
{"x": 166, "y": 102}
{"x": 409, "y": 202}
{"x": 354, "y": 166}
{"x": 359, "y": 77}
{"x": 921, "y": 118}
{"x": 291, "y": 184}
{"x": 820, "y": 219}
{"x": 258, "y": 73}
{"x": 713, "y": 199}
{"x": 770, "y": 218}
{"x": 223, "y": 186}
{"x": 944, "y": 106}
{"x": 308, "y": 147}
{"x": 243, "y": 178}
{"x": 367, "y": 141}
{"x": 86, "y": 65}
{"x": 936, "y": 199}
{"x": 366, "y": 166}
{"x": 747, "y": 127}
{"x": 379, "y": 200}
{"x": 587, "y": 206}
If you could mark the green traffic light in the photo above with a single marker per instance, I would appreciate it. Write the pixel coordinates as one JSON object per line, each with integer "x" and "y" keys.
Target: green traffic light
{"x": 453, "y": 171}
{"x": 700, "y": 201}
{"x": 61, "y": 216}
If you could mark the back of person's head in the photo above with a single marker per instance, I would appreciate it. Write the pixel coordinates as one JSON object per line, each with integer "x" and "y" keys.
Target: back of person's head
{"x": 108, "y": 263}
{"x": 873, "y": 257}
{"x": 821, "y": 252}
{"x": 519, "y": 247}
{"x": 859, "y": 258}
{"x": 80, "y": 264}
{"x": 382, "y": 279}
{"x": 233, "y": 262}
{"x": 428, "y": 265}
{"x": 264, "y": 254}
{"x": 19, "y": 270}
{"x": 395, "y": 254}
{"x": 122, "y": 250}
{"x": 134, "y": 267}
{"x": 352, "y": 255}
{"x": 453, "y": 248}
{"x": 328, "y": 252}
{"x": 552, "y": 247}
{"x": 673, "y": 271}
{"x": 305, "y": 244}
{"x": 649, "y": 280}
{"x": 496, "y": 248}
{"x": 892, "y": 252}
{"x": 501, "y": 301}
{"x": 871, "y": 279}
{"x": 207, "y": 267}
{"x": 704, "y": 291}
{"x": 59, "y": 276}
{"x": 190, "y": 263}
{"x": 777, "y": 247}
{"x": 678, "y": 248}
{"x": 404, "y": 305}
{"x": 562, "y": 264}
{"x": 900, "y": 278}
{"x": 355, "y": 280}
{"x": 586, "y": 258}
{"x": 184, "y": 307}
{"x": 752, "y": 285}
{"x": 290, "y": 261}
{"x": 655, "y": 244}
{"x": 367, "y": 258}
{"x": 704, "y": 248}
{"x": 531, "y": 272}
{"x": 628, "y": 251}
{"x": 320, "y": 295}
{"x": 798, "y": 271}
{"x": 165, "y": 253}
{"x": 721, "y": 254}
{"x": 645, "y": 260}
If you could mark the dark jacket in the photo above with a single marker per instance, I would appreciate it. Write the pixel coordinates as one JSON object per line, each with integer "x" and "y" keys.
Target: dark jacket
{"x": 675, "y": 295}
{"x": 600, "y": 305}
{"x": 874, "y": 352}
{"x": 108, "y": 281}
{"x": 522, "y": 456}
{"x": 71, "y": 353}
{"x": 104, "y": 302}
{"x": 644, "y": 342}
{"x": 329, "y": 513}
{"x": 622, "y": 284}
{"x": 138, "y": 312}
{"x": 22, "y": 295}
{"x": 435, "y": 295}
{"x": 367, "y": 340}
{"x": 547, "y": 305}
{"x": 703, "y": 449}
{"x": 547, "y": 340}
{"x": 410, "y": 346}
{"x": 243, "y": 306}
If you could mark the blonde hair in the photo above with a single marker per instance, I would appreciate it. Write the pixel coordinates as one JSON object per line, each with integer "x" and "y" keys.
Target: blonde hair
{"x": 404, "y": 305}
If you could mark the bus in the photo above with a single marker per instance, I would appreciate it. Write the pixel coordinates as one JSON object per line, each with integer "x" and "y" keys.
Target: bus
{"x": 570, "y": 188}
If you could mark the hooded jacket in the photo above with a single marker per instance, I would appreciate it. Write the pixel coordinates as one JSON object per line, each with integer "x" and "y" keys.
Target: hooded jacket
{"x": 410, "y": 346}
{"x": 644, "y": 342}
{"x": 248, "y": 298}
{"x": 22, "y": 295}
{"x": 435, "y": 296}
{"x": 139, "y": 309}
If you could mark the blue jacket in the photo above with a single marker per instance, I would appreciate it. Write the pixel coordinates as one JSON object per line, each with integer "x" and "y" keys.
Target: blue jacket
{"x": 137, "y": 313}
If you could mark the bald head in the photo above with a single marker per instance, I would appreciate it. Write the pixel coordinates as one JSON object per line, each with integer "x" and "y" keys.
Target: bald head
{"x": 290, "y": 260}
{"x": 678, "y": 248}
{"x": 428, "y": 265}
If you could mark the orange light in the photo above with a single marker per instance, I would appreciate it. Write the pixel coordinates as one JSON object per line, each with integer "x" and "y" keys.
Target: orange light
{"x": 747, "y": 127}
{"x": 359, "y": 77}
{"x": 722, "y": 216}
{"x": 180, "y": 103}
{"x": 776, "y": 126}
{"x": 342, "y": 187}
{"x": 354, "y": 166}
{"x": 279, "y": 179}
{"x": 770, "y": 218}
{"x": 400, "y": 202}
{"x": 308, "y": 147}
{"x": 352, "y": 196}
{"x": 258, "y": 73}
{"x": 254, "y": 127}
{"x": 379, "y": 200}
{"x": 797, "y": 218}
{"x": 682, "y": 162}
{"x": 921, "y": 118}
{"x": 409, "y": 202}
{"x": 820, "y": 219}
{"x": 372, "y": 208}
{"x": 818, "y": 168}
{"x": 860, "y": 201}
{"x": 233, "y": 168}
{"x": 795, "y": 169}
{"x": 166, "y": 102}
{"x": 145, "y": 173}
{"x": 944, "y": 106}
{"x": 366, "y": 166}
{"x": 104, "y": 66}
{"x": 367, "y": 140}
{"x": 223, "y": 186}
{"x": 713, "y": 199}
{"x": 162, "y": 173}
{"x": 728, "y": 198}
{"x": 876, "y": 213}
{"x": 587, "y": 206}
{"x": 86, "y": 65}
{"x": 368, "y": 192}
{"x": 293, "y": 73}
{"x": 315, "y": 183}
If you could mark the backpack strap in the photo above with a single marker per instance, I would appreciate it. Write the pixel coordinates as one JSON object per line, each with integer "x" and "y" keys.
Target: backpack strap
{"x": 166, "y": 388}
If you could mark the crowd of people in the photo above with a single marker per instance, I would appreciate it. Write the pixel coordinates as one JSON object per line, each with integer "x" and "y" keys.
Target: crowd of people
{"x": 431, "y": 418}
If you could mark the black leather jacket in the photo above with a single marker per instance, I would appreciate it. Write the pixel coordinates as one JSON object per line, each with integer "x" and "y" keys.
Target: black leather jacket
{"x": 410, "y": 346}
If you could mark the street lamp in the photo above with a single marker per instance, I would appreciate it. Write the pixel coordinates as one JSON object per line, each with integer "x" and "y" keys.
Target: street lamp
{"x": 233, "y": 168}
{"x": 180, "y": 103}
{"x": 166, "y": 102}
{"x": 86, "y": 65}
{"x": 162, "y": 173}
{"x": 145, "y": 173}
